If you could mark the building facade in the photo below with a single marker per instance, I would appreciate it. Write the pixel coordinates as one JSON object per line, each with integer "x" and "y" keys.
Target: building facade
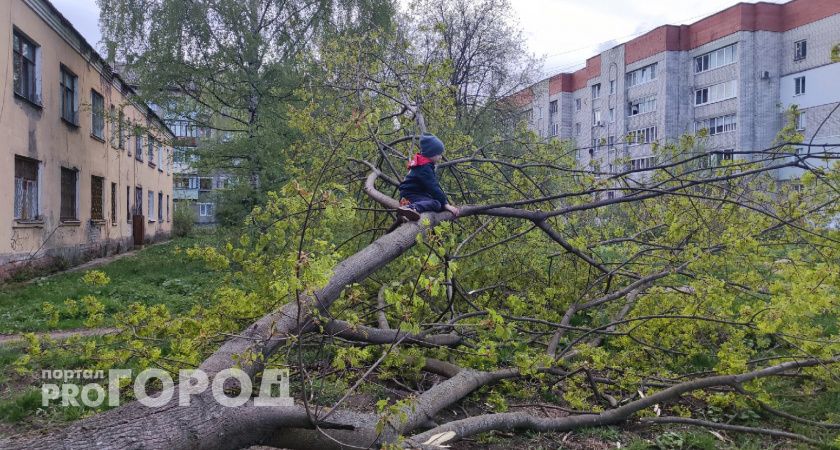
{"x": 83, "y": 164}
{"x": 732, "y": 74}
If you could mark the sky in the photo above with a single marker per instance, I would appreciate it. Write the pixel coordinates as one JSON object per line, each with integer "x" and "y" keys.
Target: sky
{"x": 562, "y": 32}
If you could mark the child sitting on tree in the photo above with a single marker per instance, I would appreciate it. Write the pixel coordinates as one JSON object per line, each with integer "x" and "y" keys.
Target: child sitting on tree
{"x": 420, "y": 191}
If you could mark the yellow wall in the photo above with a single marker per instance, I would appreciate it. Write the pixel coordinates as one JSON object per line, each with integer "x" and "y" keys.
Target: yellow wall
{"x": 41, "y": 134}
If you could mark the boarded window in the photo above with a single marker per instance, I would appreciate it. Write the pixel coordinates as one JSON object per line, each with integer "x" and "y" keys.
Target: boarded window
{"x": 97, "y": 111}
{"x": 69, "y": 181}
{"x": 26, "y": 188}
{"x": 114, "y": 203}
{"x": 97, "y": 186}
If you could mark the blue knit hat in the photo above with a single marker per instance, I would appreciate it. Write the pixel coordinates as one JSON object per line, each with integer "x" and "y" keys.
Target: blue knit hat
{"x": 430, "y": 145}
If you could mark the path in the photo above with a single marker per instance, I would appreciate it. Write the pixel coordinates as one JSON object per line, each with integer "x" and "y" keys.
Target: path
{"x": 7, "y": 339}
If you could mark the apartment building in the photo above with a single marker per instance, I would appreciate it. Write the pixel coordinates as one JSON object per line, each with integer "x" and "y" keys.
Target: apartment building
{"x": 85, "y": 168}
{"x": 193, "y": 188}
{"x": 732, "y": 74}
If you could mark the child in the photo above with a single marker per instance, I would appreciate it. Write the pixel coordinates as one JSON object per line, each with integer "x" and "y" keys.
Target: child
{"x": 421, "y": 188}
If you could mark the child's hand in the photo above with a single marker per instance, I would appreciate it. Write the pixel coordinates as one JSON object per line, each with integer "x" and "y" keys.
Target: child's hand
{"x": 455, "y": 211}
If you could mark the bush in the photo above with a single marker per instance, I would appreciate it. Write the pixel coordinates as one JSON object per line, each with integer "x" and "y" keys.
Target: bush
{"x": 183, "y": 220}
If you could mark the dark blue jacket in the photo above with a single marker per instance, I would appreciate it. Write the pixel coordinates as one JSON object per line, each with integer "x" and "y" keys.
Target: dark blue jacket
{"x": 421, "y": 180}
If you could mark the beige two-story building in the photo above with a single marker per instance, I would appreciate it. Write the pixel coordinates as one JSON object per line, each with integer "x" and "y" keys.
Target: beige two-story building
{"x": 85, "y": 168}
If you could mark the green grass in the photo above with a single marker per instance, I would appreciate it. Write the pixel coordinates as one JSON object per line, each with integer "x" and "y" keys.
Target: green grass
{"x": 154, "y": 275}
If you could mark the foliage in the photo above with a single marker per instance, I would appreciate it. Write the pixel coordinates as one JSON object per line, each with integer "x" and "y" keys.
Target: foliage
{"x": 184, "y": 219}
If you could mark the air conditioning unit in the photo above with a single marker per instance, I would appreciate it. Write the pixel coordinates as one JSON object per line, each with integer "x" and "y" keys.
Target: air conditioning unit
{"x": 764, "y": 75}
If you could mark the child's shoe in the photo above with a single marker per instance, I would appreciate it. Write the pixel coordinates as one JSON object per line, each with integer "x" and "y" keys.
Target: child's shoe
{"x": 407, "y": 214}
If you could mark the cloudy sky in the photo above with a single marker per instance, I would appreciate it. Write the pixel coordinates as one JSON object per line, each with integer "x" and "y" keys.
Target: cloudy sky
{"x": 564, "y": 32}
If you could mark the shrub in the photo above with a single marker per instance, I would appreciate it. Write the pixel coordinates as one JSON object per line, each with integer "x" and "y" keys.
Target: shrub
{"x": 183, "y": 220}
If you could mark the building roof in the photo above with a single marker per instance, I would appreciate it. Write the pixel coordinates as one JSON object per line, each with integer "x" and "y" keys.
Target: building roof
{"x": 101, "y": 63}
{"x": 761, "y": 16}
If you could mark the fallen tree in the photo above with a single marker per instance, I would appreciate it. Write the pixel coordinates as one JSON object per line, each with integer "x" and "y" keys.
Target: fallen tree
{"x": 645, "y": 296}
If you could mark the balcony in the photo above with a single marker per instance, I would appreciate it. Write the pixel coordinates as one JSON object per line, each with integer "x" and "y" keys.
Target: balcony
{"x": 185, "y": 194}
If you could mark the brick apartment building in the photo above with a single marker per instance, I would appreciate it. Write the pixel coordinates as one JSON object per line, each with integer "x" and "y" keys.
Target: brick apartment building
{"x": 82, "y": 163}
{"x": 733, "y": 73}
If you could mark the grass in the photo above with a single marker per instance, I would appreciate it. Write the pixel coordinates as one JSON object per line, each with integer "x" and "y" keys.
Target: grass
{"x": 154, "y": 275}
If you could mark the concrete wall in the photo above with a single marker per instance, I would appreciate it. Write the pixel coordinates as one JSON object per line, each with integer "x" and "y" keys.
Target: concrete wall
{"x": 37, "y": 131}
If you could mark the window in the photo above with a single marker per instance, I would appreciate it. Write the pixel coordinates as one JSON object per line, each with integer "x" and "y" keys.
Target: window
{"x": 800, "y": 120}
{"x": 596, "y": 91}
{"x": 25, "y": 68}
{"x": 577, "y": 129}
{"x": 552, "y": 107}
{"x": 610, "y": 195}
{"x": 643, "y": 163}
{"x": 611, "y": 141}
{"x": 641, "y": 136}
{"x": 69, "y": 188}
{"x": 69, "y": 103}
{"x": 160, "y": 206}
{"x": 97, "y": 115}
{"x": 193, "y": 182}
{"x": 799, "y": 85}
{"x": 160, "y": 156}
{"x": 577, "y": 104}
{"x": 642, "y": 75}
{"x": 717, "y": 125}
{"x": 128, "y": 204}
{"x": 716, "y": 93}
{"x": 555, "y": 129}
{"x": 167, "y": 208}
{"x": 716, "y": 58}
{"x": 121, "y": 130}
{"x": 641, "y": 106}
{"x": 114, "y": 203}
{"x": 114, "y": 128}
{"x": 151, "y": 145}
{"x": 26, "y": 188}
{"x": 205, "y": 209}
{"x": 718, "y": 157}
{"x": 97, "y": 186}
{"x": 596, "y": 117}
{"x": 151, "y": 206}
{"x": 612, "y": 86}
{"x": 612, "y": 115}
{"x": 138, "y": 144}
{"x": 205, "y": 184}
{"x": 800, "y": 50}
{"x": 138, "y": 201}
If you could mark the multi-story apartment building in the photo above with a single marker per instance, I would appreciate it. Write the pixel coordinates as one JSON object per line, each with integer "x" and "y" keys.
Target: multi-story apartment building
{"x": 85, "y": 168}
{"x": 195, "y": 189}
{"x": 733, "y": 74}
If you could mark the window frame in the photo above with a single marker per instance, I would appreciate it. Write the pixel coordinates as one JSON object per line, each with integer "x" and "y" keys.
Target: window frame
{"x": 151, "y": 196}
{"x": 74, "y": 204}
{"x": 100, "y": 199}
{"x": 32, "y": 66}
{"x": 800, "y": 50}
{"x": 114, "y": 207}
{"x": 596, "y": 91}
{"x": 799, "y": 85}
{"x": 706, "y": 59}
{"x": 69, "y": 114}
{"x": 642, "y": 75}
{"x": 97, "y": 119}
{"x": 33, "y": 194}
